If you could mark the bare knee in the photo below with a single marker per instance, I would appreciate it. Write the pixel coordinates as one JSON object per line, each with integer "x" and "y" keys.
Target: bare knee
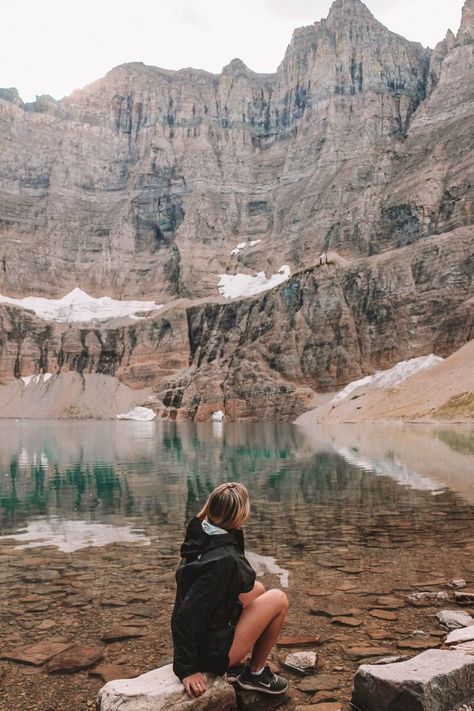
{"x": 280, "y": 599}
{"x": 259, "y": 588}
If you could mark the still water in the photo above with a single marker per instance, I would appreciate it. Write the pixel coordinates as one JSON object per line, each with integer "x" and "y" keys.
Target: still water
{"x": 79, "y": 484}
{"x": 92, "y": 515}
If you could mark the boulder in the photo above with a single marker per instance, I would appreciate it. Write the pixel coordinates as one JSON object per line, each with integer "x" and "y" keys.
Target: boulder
{"x": 454, "y": 619}
{"x": 432, "y": 681}
{"x": 161, "y": 690}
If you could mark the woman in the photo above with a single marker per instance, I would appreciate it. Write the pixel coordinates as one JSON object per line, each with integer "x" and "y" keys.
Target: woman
{"x": 220, "y": 612}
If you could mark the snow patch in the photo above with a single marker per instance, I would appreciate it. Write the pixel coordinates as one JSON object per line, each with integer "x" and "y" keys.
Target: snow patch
{"x": 70, "y": 536}
{"x": 235, "y": 286}
{"x": 242, "y": 245}
{"x": 41, "y": 378}
{"x": 140, "y": 414}
{"x": 77, "y": 306}
{"x": 266, "y": 564}
{"x": 218, "y": 416}
{"x": 388, "y": 378}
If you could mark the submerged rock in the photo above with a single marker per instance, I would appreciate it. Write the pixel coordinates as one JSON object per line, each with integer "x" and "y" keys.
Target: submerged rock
{"x": 161, "y": 690}
{"x": 36, "y": 654}
{"x": 75, "y": 658}
{"x": 433, "y": 681}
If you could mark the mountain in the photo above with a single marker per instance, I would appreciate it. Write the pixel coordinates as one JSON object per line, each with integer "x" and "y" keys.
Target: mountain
{"x": 143, "y": 184}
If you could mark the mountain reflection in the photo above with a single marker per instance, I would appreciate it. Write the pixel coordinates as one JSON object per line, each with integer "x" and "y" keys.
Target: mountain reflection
{"x": 312, "y": 489}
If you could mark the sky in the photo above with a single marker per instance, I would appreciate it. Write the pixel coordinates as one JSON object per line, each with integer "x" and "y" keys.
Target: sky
{"x": 56, "y": 46}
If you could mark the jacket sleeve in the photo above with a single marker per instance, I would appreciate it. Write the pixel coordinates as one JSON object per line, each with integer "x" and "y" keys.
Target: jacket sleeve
{"x": 190, "y": 625}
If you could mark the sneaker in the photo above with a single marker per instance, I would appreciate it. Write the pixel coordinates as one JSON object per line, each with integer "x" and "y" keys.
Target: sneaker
{"x": 233, "y": 672}
{"x": 267, "y": 682}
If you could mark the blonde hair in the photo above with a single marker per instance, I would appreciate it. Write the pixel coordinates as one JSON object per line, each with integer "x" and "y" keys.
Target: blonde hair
{"x": 228, "y": 506}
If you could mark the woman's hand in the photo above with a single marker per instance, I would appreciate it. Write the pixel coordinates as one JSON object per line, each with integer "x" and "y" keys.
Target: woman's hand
{"x": 195, "y": 685}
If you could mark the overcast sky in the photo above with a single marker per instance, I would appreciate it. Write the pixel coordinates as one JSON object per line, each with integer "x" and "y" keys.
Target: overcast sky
{"x": 55, "y": 46}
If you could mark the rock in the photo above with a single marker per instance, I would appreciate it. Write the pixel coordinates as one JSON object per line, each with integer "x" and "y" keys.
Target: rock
{"x": 47, "y": 624}
{"x": 36, "y": 654}
{"x": 352, "y": 569}
{"x": 122, "y": 633}
{"x": 78, "y": 600}
{"x": 384, "y": 615}
{"x": 301, "y": 662}
{"x": 40, "y": 576}
{"x": 454, "y": 619}
{"x": 141, "y": 611}
{"x": 389, "y": 602}
{"x": 75, "y": 658}
{"x": 378, "y": 633}
{"x": 466, "y": 634}
{"x": 320, "y": 682}
{"x": 419, "y": 643}
{"x": 110, "y": 672}
{"x": 364, "y": 651}
{"x": 428, "y": 597}
{"x": 346, "y": 621}
{"x": 321, "y": 696}
{"x": 433, "y": 681}
{"x": 160, "y": 690}
{"x": 457, "y": 583}
{"x": 332, "y": 611}
{"x": 464, "y": 598}
{"x": 298, "y": 641}
{"x": 113, "y": 602}
{"x": 331, "y": 706}
{"x": 431, "y": 582}
{"x": 466, "y": 647}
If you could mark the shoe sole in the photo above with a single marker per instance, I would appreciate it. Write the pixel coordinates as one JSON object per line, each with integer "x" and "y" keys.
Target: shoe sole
{"x": 250, "y": 687}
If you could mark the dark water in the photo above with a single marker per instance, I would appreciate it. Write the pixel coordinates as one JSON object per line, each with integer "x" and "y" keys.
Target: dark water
{"x": 75, "y": 484}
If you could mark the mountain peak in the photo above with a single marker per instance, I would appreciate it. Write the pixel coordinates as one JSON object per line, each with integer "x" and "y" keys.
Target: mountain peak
{"x": 236, "y": 66}
{"x": 466, "y": 31}
{"x": 349, "y": 8}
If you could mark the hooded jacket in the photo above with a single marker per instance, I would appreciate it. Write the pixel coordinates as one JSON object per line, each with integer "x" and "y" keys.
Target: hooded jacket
{"x": 213, "y": 572}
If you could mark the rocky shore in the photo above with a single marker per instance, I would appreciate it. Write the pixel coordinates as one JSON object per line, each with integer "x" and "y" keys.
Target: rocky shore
{"x": 71, "y": 622}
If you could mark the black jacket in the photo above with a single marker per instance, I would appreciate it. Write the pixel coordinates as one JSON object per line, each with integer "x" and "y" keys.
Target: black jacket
{"x": 210, "y": 577}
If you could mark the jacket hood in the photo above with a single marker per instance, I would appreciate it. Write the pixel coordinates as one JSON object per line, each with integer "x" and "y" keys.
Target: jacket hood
{"x": 197, "y": 540}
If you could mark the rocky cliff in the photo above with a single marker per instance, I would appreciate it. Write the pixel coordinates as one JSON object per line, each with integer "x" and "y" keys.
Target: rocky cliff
{"x": 265, "y": 357}
{"x": 143, "y": 183}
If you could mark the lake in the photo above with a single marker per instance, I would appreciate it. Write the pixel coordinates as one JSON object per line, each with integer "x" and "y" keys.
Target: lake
{"x": 92, "y": 515}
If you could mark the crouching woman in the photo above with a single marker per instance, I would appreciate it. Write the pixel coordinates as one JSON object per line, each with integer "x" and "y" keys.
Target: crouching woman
{"x": 220, "y": 613}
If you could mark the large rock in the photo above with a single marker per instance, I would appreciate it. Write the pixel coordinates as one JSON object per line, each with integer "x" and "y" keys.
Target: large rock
{"x": 454, "y": 619}
{"x": 160, "y": 690}
{"x": 433, "y": 681}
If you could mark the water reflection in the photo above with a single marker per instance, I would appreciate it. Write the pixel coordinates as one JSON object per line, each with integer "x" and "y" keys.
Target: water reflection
{"x": 308, "y": 489}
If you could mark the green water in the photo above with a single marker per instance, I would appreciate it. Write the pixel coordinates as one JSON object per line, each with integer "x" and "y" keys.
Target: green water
{"x": 74, "y": 484}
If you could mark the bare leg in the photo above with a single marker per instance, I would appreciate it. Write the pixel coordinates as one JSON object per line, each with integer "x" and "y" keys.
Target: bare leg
{"x": 258, "y": 628}
{"x": 257, "y": 590}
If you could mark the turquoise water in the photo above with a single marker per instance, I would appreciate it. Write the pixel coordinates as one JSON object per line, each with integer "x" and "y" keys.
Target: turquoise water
{"x": 74, "y": 484}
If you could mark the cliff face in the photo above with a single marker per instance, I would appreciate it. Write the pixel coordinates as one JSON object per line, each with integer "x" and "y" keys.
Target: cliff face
{"x": 265, "y": 357}
{"x": 141, "y": 185}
